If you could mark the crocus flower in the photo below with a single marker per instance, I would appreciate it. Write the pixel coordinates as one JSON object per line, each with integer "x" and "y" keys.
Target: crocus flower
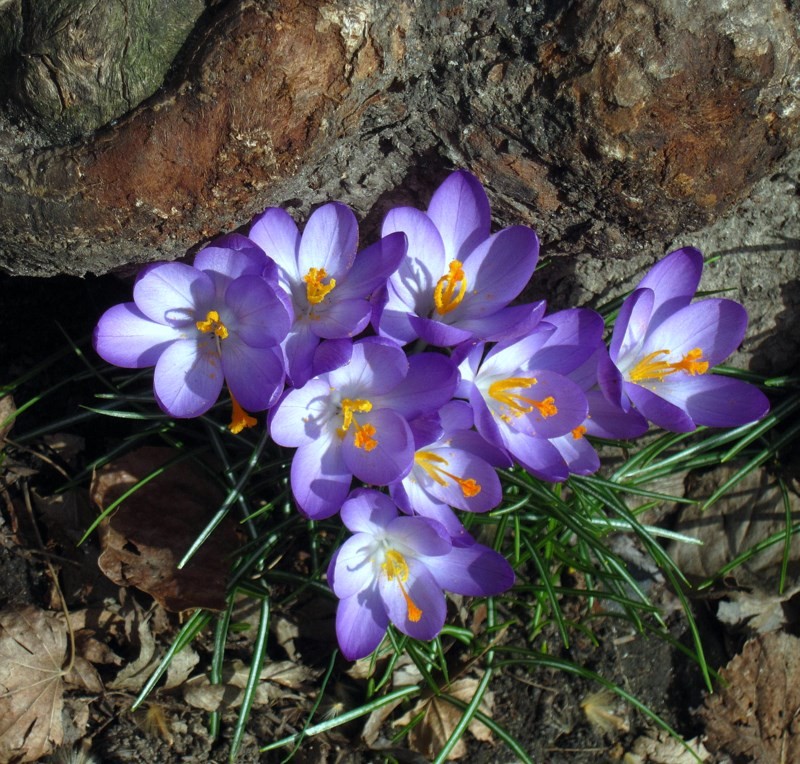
{"x": 522, "y": 395}
{"x": 454, "y": 467}
{"x": 396, "y": 569}
{"x": 664, "y": 347}
{"x": 457, "y": 279}
{"x": 352, "y": 419}
{"x": 329, "y": 283}
{"x": 219, "y": 320}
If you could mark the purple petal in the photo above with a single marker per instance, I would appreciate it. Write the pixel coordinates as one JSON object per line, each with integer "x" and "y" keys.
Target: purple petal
{"x": 188, "y": 378}
{"x": 473, "y": 570}
{"x": 715, "y": 326}
{"x": 460, "y": 210}
{"x": 514, "y": 321}
{"x": 606, "y": 420}
{"x": 332, "y": 354}
{"x": 298, "y": 349}
{"x": 255, "y": 376}
{"x": 341, "y": 318}
{"x": 537, "y": 455}
{"x": 391, "y": 448}
{"x": 418, "y": 536}
{"x": 475, "y": 443}
{"x": 173, "y": 293}
{"x": 456, "y": 415}
{"x": 373, "y": 266}
{"x": 659, "y": 411}
{"x": 261, "y": 318}
{"x": 578, "y": 453}
{"x": 429, "y": 385}
{"x": 329, "y": 241}
{"x": 611, "y": 383}
{"x": 420, "y": 591}
{"x": 631, "y": 325}
{"x": 716, "y": 401}
{"x": 394, "y": 324}
{"x": 376, "y": 367}
{"x": 320, "y": 480}
{"x": 352, "y": 567}
{"x": 497, "y": 271}
{"x": 438, "y": 334}
{"x": 276, "y": 233}
{"x": 361, "y": 622}
{"x": 674, "y": 281}
{"x": 300, "y": 417}
{"x": 125, "y": 337}
{"x": 368, "y": 511}
{"x": 230, "y": 257}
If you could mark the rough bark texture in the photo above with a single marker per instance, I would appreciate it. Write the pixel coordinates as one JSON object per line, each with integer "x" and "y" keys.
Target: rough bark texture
{"x": 609, "y": 125}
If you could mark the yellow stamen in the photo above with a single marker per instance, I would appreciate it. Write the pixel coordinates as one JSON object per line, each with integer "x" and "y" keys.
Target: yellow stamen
{"x": 365, "y": 434}
{"x": 649, "y": 368}
{"x": 579, "y": 432}
{"x": 517, "y": 403}
{"x": 430, "y": 463}
{"x": 397, "y": 567}
{"x": 316, "y": 291}
{"x": 240, "y": 419}
{"x": 213, "y": 325}
{"x": 445, "y": 296}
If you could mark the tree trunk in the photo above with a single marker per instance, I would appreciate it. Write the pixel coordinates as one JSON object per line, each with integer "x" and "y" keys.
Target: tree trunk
{"x": 608, "y": 125}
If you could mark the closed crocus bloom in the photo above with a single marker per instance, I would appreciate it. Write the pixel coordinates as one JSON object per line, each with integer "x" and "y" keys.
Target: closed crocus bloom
{"x": 396, "y": 569}
{"x": 218, "y": 321}
{"x": 352, "y": 420}
{"x": 664, "y": 349}
{"x": 330, "y": 283}
{"x": 457, "y": 279}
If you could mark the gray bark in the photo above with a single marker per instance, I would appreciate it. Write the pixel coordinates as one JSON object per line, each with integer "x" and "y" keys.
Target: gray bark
{"x": 608, "y": 125}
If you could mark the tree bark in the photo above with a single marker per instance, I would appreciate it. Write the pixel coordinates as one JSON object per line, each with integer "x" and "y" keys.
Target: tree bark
{"x": 608, "y": 125}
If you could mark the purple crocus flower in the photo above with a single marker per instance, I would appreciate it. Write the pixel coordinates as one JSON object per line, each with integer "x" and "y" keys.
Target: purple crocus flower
{"x": 329, "y": 283}
{"x": 522, "y": 395}
{"x": 219, "y": 320}
{"x": 664, "y": 346}
{"x": 396, "y": 569}
{"x": 453, "y": 467}
{"x": 352, "y": 419}
{"x": 457, "y": 279}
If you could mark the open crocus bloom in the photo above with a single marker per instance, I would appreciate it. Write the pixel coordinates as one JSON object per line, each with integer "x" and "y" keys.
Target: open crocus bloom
{"x": 220, "y": 320}
{"x": 457, "y": 279}
{"x": 664, "y": 347}
{"x": 522, "y": 395}
{"x": 329, "y": 282}
{"x": 395, "y": 569}
{"x": 353, "y": 419}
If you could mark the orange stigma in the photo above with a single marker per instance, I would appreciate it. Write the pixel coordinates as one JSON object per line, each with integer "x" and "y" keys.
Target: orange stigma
{"x": 240, "y": 419}
{"x": 579, "y": 432}
{"x": 649, "y": 368}
{"x": 364, "y": 434}
{"x": 316, "y": 290}
{"x": 396, "y": 567}
{"x": 430, "y": 463}
{"x": 445, "y": 296}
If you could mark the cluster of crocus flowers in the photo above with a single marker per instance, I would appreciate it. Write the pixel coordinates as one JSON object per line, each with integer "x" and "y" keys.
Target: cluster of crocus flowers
{"x": 404, "y": 378}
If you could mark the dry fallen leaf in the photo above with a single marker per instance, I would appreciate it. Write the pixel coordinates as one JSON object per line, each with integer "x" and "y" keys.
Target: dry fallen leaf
{"x": 429, "y": 736}
{"x": 33, "y": 646}
{"x": 149, "y": 533}
{"x": 658, "y": 747}
{"x": 755, "y": 715}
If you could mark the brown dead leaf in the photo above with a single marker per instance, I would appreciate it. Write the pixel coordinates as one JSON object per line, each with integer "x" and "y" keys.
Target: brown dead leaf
{"x": 33, "y": 646}
{"x": 133, "y": 675}
{"x": 429, "y": 736}
{"x": 7, "y": 411}
{"x": 756, "y": 715}
{"x": 657, "y": 747}
{"x": 150, "y": 532}
{"x": 752, "y": 512}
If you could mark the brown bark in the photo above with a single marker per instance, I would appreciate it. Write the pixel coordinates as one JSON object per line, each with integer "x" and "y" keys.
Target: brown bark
{"x": 609, "y": 125}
